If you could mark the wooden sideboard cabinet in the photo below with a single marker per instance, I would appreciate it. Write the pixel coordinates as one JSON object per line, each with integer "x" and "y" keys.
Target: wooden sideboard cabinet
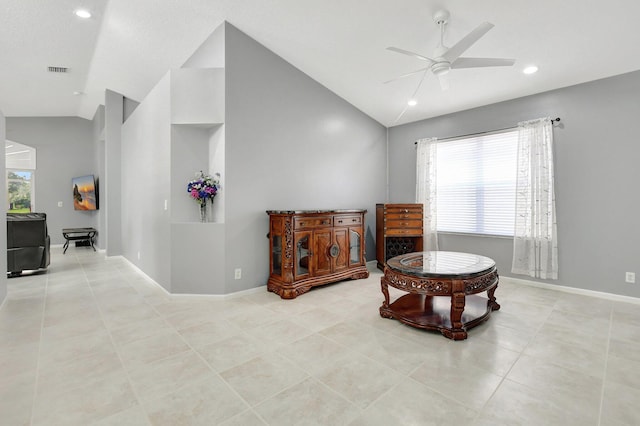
{"x": 398, "y": 230}
{"x": 311, "y": 248}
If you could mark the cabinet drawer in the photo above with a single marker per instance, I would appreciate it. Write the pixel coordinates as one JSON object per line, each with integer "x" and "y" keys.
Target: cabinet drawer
{"x": 407, "y": 209}
{"x": 403, "y": 223}
{"x": 398, "y": 216}
{"x": 407, "y": 232}
{"x": 312, "y": 222}
{"x": 347, "y": 220}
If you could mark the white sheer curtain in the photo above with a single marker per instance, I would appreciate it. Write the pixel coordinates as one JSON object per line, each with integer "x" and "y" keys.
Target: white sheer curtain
{"x": 535, "y": 245}
{"x": 426, "y": 189}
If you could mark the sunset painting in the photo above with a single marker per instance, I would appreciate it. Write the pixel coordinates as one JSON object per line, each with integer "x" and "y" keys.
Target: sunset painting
{"x": 84, "y": 193}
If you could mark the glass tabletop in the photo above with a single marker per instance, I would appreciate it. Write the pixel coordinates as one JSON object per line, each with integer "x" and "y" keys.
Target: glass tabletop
{"x": 441, "y": 264}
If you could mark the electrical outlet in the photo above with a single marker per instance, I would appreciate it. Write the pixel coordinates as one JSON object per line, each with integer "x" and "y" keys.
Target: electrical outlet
{"x": 238, "y": 273}
{"x": 630, "y": 277}
{"x": 59, "y": 203}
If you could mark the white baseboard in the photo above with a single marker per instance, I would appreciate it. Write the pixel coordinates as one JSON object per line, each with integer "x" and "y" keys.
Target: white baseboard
{"x": 373, "y": 264}
{"x": 226, "y": 296}
{"x": 573, "y": 290}
{"x": 240, "y": 293}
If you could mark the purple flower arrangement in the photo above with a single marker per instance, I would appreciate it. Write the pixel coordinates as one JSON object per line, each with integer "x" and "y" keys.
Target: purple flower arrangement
{"x": 204, "y": 187}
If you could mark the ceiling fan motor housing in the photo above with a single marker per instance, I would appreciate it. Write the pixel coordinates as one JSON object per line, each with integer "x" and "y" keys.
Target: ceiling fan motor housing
{"x": 441, "y": 68}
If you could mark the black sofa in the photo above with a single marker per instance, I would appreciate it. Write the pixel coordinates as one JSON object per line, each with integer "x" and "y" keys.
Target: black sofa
{"x": 27, "y": 242}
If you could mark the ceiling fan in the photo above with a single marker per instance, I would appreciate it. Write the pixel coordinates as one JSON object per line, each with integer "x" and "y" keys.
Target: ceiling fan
{"x": 447, "y": 58}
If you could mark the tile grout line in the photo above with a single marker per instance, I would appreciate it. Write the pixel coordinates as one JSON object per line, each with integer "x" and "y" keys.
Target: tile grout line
{"x": 356, "y": 352}
{"x": 35, "y": 385}
{"x": 606, "y": 362}
{"x": 115, "y": 347}
{"x": 51, "y": 281}
{"x": 520, "y": 354}
{"x": 176, "y": 330}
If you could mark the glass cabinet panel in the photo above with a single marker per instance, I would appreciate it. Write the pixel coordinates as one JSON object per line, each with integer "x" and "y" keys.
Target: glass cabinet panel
{"x": 276, "y": 255}
{"x": 354, "y": 247}
{"x": 302, "y": 255}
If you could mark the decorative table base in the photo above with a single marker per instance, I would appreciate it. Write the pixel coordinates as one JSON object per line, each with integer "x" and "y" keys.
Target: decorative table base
{"x": 442, "y": 291}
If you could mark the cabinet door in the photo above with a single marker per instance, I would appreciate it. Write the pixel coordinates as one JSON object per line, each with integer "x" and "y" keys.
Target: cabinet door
{"x": 276, "y": 255}
{"x": 303, "y": 254}
{"x": 339, "y": 250}
{"x": 321, "y": 252}
{"x": 356, "y": 247}
{"x": 276, "y": 247}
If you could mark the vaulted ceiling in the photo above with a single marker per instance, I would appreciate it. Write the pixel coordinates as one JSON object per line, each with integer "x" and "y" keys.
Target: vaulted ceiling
{"x": 128, "y": 45}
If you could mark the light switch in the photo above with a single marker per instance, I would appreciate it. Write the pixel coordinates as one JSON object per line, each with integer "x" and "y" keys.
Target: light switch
{"x": 59, "y": 203}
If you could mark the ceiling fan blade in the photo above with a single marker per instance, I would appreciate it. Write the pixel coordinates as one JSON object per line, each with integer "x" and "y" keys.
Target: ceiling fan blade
{"x": 406, "y": 52}
{"x": 444, "y": 81}
{"x": 458, "y": 49}
{"x": 412, "y": 96}
{"x": 482, "y": 62}
{"x": 407, "y": 75}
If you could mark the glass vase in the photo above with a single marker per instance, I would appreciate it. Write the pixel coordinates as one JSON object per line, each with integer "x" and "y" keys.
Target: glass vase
{"x": 204, "y": 214}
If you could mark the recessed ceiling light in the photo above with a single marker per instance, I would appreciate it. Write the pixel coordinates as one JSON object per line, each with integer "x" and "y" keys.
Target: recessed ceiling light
{"x": 81, "y": 13}
{"x": 412, "y": 102}
{"x": 530, "y": 70}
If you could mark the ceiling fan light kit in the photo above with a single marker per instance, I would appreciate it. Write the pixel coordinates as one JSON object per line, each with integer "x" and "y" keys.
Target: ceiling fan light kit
{"x": 447, "y": 58}
{"x": 81, "y": 13}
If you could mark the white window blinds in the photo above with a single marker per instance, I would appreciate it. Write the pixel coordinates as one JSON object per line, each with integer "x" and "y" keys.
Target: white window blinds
{"x": 476, "y": 184}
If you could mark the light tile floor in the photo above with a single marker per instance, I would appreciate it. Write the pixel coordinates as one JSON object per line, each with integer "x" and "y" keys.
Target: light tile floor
{"x": 93, "y": 342}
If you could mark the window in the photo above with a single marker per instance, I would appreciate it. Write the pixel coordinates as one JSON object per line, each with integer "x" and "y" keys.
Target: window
{"x": 476, "y": 184}
{"x": 21, "y": 164}
{"x": 19, "y": 183}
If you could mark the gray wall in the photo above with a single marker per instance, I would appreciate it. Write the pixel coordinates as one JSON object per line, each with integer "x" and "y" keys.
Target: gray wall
{"x": 98, "y": 158}
{"x": 64, "y": 149}
{"x": 596, "y": 153}
{"x": 111, "y": 184}
{"x": 290, "y": 144}
{"x": 145, "y": 171}
{"x": 3, "y": 228}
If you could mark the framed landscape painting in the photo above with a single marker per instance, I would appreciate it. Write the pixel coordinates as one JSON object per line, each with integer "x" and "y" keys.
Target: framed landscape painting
{"x": 84, "y": 193}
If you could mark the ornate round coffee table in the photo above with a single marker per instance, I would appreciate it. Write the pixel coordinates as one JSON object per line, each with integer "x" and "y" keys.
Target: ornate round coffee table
{"x": 442, "y": 291}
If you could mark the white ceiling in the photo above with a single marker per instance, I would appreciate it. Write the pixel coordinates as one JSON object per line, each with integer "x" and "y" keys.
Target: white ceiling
{"x": 128, "y": 45}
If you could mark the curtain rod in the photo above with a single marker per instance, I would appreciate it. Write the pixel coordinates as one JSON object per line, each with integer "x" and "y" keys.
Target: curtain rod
{"x": 483, "y": 133}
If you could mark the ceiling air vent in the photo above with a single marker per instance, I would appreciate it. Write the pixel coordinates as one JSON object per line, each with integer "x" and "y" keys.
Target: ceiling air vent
{"x": 58, "y": 69}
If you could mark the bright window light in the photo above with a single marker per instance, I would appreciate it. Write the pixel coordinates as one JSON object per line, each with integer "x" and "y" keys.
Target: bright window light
{"x": 476, "y": 184}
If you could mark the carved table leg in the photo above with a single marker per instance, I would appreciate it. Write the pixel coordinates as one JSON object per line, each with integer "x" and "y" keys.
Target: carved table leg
{"x": 458, "y": 331}
{"x": 385, "y": 312}
{"x": 493, "y": 305}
